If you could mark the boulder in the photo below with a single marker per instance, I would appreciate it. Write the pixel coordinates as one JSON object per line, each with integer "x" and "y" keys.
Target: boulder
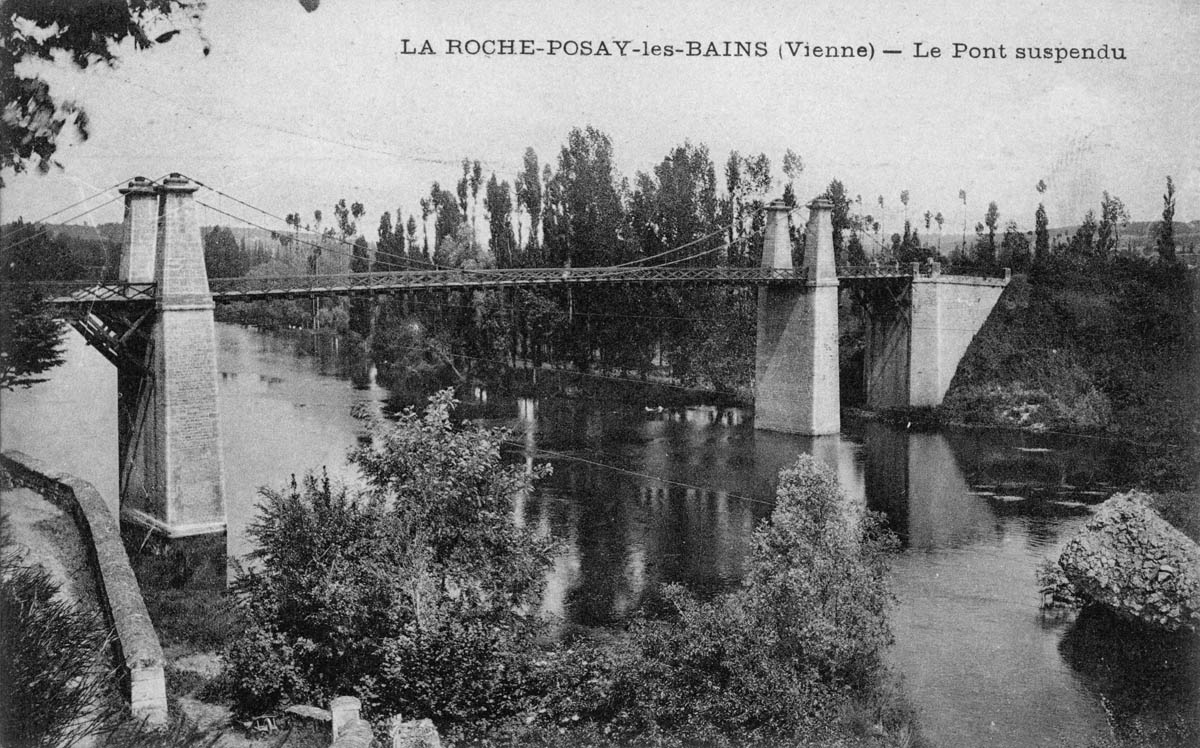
{"x": 417, "y": 733}
{"x": 1135, "y": 563}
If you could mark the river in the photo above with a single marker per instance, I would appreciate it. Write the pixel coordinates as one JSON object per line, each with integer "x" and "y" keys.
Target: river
{"x": 642, "y": 495}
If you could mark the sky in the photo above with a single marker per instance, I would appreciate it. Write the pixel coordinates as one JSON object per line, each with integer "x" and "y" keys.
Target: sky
{"x": 292, "y": 110}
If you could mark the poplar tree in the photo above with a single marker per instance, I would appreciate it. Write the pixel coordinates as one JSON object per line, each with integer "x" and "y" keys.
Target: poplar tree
{"x": 1166, "y": 229}
{"x": 1041, "y": 237}
{"x": 529, "y": 195}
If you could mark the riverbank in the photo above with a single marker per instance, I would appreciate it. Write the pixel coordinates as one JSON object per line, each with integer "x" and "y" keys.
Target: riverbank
{"x": 1092, "y": 346}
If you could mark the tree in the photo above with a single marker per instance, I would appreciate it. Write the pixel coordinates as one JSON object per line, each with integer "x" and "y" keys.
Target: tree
{"x": 793, "y": 167}
{"x": 1014, "y": 248}
{"x": 1166, "y": 230}
{"x": 497, "y": 201}
{"x": 990, "y": 220}
{"x": 414, "y": 251}
{"x": 939, "y": 219}
{"x": 1041, "y": 235}
{"x": 85, "y": 33}
{"x": 529, "y": 195}
{"x": 30, "y": 330}
{"x": 904, "y": 202}
{"x": 360, "y": 257}
{"x": 1084, "y": 241}
{"x": 388, "y": 244}
{"x": 840, "y": 216}
{"x": 747, "y": 180}
{"x": 417, "y": 592}
{"x": 464, "y": 187}
{"x": 675, "y": 206}
{"x": 447, "y": 216}
{"x": 1113, "y": 215}
{"x": 426, "y": 211}
{"x": 223, "y": 258}
{"x": 476, "y": 181}
{"x": 962, "y": 195}
{"x": 30, "y": 338}
{"x": 764, "y": 663}
{"x": 881, "y": 215}
{"x": 347, "y": 217}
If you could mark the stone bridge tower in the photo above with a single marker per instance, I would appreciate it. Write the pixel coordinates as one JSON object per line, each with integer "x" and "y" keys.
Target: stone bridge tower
{"x": 796, "y": 386}
{"x": 171, "y": 468}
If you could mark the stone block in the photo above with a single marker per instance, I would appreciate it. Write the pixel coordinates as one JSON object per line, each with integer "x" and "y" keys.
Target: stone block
{"x": 419, "y": 733}
{"x": 343, "y": 710}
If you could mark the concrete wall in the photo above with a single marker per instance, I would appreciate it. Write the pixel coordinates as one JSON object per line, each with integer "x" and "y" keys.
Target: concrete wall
{"x": 139, "y": 653}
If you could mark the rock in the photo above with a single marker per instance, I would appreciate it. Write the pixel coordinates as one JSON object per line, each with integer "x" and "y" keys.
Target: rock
{"x": 1135, "y": 563}
{"x": 413, "y": 734}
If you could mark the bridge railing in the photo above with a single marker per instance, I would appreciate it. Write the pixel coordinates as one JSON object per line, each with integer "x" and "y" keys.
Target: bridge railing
{"x": 917, "y": 270}
{"x": 232, "y": 289}
{"x": 86, "y": 291}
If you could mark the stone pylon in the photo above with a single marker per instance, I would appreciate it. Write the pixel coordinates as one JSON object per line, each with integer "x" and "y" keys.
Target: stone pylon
{"x": 796, "y": 385}
{"x": 172, "y": 476}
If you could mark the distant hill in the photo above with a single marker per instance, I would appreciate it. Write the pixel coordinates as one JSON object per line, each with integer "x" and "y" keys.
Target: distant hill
{"x": 110, "y": 232}
{"x": 335, "y": 256}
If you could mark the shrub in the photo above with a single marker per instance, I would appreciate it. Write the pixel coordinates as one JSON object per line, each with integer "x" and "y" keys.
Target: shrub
{"x": 777, "y": 658}
{"x": 56, "y": 686}
{"x": 411, "y": 593}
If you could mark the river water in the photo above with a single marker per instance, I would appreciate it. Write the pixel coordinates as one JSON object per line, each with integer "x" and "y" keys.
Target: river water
{"x": 642, "y": 495}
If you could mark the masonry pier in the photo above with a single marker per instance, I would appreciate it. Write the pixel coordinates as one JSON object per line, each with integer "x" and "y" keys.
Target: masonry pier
{"x": 796, "y": 385}
{"x": 171, "y": 467}
{"x": 917, "y": 332}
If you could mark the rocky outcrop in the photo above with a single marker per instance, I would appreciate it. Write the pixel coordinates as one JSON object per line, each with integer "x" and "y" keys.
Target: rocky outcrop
{"x": 1133, "y": 562}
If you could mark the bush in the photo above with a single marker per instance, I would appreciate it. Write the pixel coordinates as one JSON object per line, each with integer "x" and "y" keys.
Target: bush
{"x": 778, "y": 658}
{"x": 417, "y": 594}
{"x": 56, "y": 686}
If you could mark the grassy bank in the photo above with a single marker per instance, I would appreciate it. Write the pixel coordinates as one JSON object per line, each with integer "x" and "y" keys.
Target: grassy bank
{"x": 1104, "y": 346}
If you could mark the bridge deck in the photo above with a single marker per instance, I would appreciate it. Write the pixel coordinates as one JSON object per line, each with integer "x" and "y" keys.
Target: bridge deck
{"x": 348, "y": 284}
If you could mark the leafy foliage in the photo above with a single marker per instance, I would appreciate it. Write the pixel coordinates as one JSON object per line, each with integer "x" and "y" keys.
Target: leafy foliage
{"x": 30, "y": 333}
{"x": 773, "y": 660}
{"x": 88, "y": 33}
{"x": 399, "y": 590}
{"x": 30, "y": 337}
{"x": 57, "y": 686}
{"x": 1166, "y": 230}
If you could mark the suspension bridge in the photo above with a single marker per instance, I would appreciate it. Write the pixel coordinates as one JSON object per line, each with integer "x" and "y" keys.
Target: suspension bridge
{"x": 155, "y": 324}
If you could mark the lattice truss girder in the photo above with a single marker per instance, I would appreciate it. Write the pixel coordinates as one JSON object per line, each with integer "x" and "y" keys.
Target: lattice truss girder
{"x": 120, "y": 332}
{"x": 68, "y": 294}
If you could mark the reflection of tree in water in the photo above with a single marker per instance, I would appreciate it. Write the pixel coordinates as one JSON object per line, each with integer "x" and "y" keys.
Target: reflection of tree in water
{"x": 597, "y": 598}
{"x": 1148, "y": 681}
{"x": 341, "y": 356}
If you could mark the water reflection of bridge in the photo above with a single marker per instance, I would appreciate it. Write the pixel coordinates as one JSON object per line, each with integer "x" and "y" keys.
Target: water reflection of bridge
{"x": 697, "y": 485}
